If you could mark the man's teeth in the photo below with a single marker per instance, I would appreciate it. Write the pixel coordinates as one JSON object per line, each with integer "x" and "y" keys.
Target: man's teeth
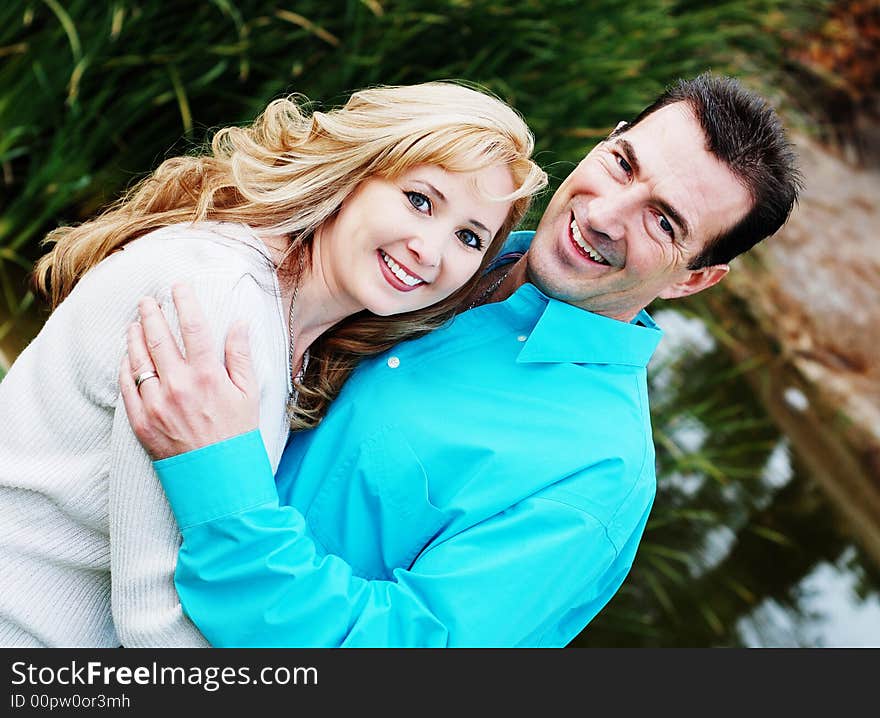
{"x": 581, "y": 242}
{"x": 399, "y": 272}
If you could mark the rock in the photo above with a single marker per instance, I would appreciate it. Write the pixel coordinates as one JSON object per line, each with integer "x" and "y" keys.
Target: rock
{"x": 815, "y": 287}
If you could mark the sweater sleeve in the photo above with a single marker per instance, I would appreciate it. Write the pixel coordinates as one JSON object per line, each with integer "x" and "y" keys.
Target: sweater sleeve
{"x": 249, "y": 575}
{"x": 144, "y": 538}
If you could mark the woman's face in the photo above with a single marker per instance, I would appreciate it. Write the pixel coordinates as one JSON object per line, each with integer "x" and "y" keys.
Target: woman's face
{"x": 404, "y": 244}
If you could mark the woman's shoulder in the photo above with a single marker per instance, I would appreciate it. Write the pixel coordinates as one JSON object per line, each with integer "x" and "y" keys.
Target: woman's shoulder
{"x": 213, "y": 251}
{"x": 221, "y": 245}
{"x": 220, "y": 257}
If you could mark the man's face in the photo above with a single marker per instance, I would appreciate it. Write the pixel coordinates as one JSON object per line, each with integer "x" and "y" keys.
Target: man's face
{"x": 622, "y": 228}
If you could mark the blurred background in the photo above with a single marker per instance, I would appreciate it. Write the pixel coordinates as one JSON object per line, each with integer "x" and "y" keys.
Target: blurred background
{"x": 766, "y": 390}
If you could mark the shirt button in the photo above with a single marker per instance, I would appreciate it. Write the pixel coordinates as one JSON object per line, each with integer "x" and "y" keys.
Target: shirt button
{"x": 521, "y": 338}
{"x": 393, "y": 362}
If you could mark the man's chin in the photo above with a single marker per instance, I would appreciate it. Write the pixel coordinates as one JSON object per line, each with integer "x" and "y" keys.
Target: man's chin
{"x": 551, "y": 289}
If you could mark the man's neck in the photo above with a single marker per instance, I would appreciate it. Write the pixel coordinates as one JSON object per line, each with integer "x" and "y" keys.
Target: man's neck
{"x": 518, "y": 275}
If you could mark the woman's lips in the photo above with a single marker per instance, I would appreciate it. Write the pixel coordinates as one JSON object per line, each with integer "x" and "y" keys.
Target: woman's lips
{"x": 398, "y": 276}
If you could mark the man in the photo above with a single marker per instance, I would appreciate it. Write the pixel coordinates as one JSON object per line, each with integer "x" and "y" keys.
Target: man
{"x": 487, "y": 484}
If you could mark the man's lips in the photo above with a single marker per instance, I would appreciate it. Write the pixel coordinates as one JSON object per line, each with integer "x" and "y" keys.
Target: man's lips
{"x": 398, "y": 275}
{"x": 584, "y": 248}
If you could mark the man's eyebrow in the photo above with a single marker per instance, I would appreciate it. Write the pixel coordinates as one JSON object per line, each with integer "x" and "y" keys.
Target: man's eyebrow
{"x": 442, "y": 198}
{"x": 672, "y": 214}
{"x": 629, "y": 154}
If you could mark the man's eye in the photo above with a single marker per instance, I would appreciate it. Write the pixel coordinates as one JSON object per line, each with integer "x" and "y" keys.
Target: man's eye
{"x": 624, "y": 165}
{"x": 666, "y": 226}
{"x": 471, "y": 239}
{"x": 419, "y": 201}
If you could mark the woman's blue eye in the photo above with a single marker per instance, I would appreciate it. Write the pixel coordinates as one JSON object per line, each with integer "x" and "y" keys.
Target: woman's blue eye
{"x": 471, "y": 239}
{"x": 419, "y": 201}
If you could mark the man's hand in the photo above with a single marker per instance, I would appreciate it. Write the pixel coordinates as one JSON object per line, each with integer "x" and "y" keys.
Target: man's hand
{"x": 184, "y": 403}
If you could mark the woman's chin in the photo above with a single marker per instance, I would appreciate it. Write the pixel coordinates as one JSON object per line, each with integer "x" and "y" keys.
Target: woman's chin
{"x": 397, "y": 302}
{"x": 388, "y": 309}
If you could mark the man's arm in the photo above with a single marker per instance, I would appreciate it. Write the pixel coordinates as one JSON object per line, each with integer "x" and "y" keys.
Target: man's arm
{"x": 248, "y": 575}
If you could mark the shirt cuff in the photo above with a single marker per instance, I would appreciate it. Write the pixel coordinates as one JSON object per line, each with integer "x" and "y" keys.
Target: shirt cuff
{"x": 218, "y": 479}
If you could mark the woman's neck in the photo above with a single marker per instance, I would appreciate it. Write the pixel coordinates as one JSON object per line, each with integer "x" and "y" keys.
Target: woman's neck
{"x": 319, "y": 304}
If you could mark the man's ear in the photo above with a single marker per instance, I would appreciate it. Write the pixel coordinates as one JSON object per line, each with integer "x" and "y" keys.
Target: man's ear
{"x": 696, "y": 281}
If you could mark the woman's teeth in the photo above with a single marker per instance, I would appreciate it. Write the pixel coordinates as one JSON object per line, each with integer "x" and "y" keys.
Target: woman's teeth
{"x": 582, "y": 243}
{"x": 400, "y": 272}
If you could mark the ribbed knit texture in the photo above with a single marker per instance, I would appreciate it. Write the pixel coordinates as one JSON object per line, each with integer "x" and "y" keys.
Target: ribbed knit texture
{"x": 88, "y": 543}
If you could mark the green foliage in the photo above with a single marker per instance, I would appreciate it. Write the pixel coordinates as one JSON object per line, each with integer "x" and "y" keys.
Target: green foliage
{"x": 94, "y": 95}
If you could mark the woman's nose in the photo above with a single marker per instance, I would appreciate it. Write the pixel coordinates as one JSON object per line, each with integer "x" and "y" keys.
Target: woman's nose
{"x": 427, "y": 249}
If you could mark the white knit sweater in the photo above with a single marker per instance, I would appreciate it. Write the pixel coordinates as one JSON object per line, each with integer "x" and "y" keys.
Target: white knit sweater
{"x": 88, "y": 543}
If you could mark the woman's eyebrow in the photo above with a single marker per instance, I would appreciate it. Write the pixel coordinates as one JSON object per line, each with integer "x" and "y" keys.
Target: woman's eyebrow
{"x": 442, "y": 198}
{"x": 480, "y": 225}
{"x": 432, "y": 188}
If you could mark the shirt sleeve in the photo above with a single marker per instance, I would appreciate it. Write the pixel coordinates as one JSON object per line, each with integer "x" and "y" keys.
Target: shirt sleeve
{"x": 249, "y": 575}
{"x": 144, "y": 537}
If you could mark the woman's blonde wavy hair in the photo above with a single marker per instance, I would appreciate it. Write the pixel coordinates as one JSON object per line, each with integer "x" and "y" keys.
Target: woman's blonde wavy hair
{"x": 289, "y": 172}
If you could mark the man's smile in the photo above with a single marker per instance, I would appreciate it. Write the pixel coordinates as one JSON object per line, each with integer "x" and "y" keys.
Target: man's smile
{"x": 584, "y": 248}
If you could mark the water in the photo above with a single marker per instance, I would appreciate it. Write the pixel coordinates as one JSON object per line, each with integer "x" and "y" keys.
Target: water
{"x": 743, "y": 547}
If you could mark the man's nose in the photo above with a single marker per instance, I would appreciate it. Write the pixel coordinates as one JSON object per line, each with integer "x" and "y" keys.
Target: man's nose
{"x": 426, "y": 247}
{"x": 607, "y": 215}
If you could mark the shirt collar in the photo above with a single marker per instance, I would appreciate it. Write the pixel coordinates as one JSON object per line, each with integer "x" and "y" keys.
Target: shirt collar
{"x": 565, "y": 333}
{"x": 515, "y": 242}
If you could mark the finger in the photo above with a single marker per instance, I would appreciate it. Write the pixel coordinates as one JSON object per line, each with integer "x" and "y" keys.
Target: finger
{"x": 134, "y": 406}
{"x": 138, "y": 356}
{"x": 194, "y": 329}
{"x": 140, "y": 361}
{"x": 238, "y": 359}
{"x": 160, "y": 342}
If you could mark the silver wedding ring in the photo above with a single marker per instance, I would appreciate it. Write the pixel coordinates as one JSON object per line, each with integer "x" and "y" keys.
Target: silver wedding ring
{"x": 143, "y": 376}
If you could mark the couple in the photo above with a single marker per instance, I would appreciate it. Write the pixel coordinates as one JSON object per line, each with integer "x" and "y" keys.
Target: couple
{"x": 484, "y": 484}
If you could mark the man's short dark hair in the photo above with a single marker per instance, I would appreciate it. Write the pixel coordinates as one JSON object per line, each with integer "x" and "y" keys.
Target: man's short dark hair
{"x": 744, "y": 132}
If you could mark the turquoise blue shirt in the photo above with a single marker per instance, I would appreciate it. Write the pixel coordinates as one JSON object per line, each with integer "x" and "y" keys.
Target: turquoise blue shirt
{"x": 484, "y": 485}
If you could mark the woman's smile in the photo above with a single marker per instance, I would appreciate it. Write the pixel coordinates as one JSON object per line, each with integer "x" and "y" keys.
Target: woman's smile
{"x": 397, "y": 275}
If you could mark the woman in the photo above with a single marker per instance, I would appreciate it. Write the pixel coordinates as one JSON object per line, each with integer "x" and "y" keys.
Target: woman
{"x": 316, "y": 229}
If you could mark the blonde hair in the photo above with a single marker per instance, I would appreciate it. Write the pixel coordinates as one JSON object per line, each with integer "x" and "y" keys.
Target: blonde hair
{"x": 289, "y": 171}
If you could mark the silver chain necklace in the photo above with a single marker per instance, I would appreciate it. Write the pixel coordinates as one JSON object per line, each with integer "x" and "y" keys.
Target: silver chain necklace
{"x": 297, "y": 380}
{"x": 491, "y": 289}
